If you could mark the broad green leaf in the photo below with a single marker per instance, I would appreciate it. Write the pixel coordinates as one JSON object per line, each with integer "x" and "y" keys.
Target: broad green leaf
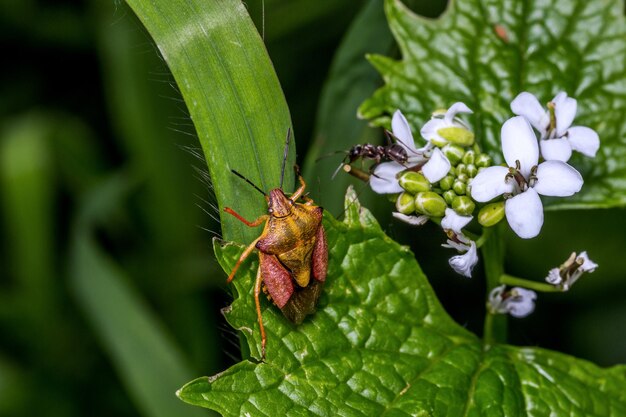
{"x": 381, "y": 344}
{"x": 233, "y": 96}
{"x": 147, "y": 360}
{"x": 484, "y": 53}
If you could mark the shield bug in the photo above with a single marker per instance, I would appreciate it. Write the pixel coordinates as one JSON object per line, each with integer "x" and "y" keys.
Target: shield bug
{"x": 293, "y": 253}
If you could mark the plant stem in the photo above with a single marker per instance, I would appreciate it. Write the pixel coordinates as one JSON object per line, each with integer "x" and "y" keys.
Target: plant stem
{"x": 526, "y": 283}
{"x": 495, "y": 328}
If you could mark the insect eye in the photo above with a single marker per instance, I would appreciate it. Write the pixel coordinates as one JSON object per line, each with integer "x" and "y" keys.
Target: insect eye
{"x": 290, "y": 202}
{"x": 271, "y": 210}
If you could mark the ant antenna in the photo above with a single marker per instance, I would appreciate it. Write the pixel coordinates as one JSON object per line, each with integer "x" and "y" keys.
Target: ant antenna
{"x": 248, "y": 181}
{"x": 282, "y": 169}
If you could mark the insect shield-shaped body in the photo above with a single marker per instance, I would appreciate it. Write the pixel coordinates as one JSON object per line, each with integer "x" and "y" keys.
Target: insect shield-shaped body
{"x": 293, "y": 255}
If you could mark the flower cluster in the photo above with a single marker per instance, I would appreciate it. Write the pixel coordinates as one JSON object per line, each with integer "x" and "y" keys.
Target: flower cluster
{"x": 449, "y": 180}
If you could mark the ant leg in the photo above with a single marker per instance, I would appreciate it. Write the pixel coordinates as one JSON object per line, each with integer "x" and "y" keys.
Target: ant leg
{"x": 257, "y": 292}
{"x": 254, "y": 223}
{"x": 242, "y": 258}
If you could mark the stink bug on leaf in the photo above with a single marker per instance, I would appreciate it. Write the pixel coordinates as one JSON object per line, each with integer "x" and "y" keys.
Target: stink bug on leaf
{"x": 293, "y": 253}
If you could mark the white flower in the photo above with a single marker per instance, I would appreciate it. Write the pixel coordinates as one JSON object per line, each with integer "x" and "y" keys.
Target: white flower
{"x": 430, "y": 130}
{"x": 412, "y": 220}
{"x": 518, "y": 302}
{"x": 558, "y": 137}
{"x": 384, "y": 178}
{"x": 568, "y": 273}
{"x": 463, "y": 264}
{"x": 454, "y": 221}
{"x": 524, "y": 180}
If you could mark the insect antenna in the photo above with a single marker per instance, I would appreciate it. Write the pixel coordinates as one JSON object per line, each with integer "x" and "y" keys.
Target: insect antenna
{"x": 248, "y": 181}
{"x": 282, "y": 169}
{"x": 328, "y": 155}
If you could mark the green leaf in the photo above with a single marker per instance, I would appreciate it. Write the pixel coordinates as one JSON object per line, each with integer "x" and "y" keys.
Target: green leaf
{"x": 147, "y": 360}
{"x": 575, "y": 46}
{"x": 233, "y": 96}
{"x": 381, "y": 344}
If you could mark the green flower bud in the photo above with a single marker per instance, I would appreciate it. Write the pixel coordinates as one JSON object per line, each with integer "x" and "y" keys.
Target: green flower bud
{"x": 452, "y": 171}
{"x": 405, "y": 203}
{"x": 414, "y": 182}
{"x": 483, "y": 161}
{"x": 463, "y": 205}
{"x": 461, "y": 169}
{"x": 446, "y": 182}
{"x": 469, "y": 157}
{"x": 457, "y": 135}
{"x": 472, "y": 170}
{"x": 462, "y": 177}
{"x": 449, "y": 196}
{"x": 430, "y": 204}
{"x": 491, "y": 214}
{"x": 392, "y": 197}
{"x": 454, "y": 153}
{"x": 459, "y": 187}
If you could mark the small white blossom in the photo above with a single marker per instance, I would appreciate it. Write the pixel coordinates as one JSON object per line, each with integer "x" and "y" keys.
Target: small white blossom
{"x": 568, "y": 273}
{"x": 524, "y": 180}
{"x": 384, "y": 178}
{"x": 557, "y": 135}
{"x": 518, "y": 302}
{"x": 463, "y": 264}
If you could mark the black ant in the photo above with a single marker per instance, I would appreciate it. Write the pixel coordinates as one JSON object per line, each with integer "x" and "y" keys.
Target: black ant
{"x": 394, "y": 151}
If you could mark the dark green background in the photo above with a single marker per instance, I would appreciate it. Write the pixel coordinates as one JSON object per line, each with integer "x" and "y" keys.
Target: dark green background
{"x": 85, "y": 100}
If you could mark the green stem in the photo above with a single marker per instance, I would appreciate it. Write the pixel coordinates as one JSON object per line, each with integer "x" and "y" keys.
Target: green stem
{"x": 495, "y": 328}
{"x": 526, "y": 283}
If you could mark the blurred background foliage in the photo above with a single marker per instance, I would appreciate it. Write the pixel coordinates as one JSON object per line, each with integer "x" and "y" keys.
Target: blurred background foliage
{"x": 109, "y": 294}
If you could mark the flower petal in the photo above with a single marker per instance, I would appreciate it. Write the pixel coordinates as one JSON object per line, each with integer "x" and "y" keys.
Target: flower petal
{"x": 454, "y": 221}
{"x": 556, "y": 149}
{"x": 564, "y": 111}
{"x": 437, "y": 166}
{"x": 490, "y": 183}
{"x": 521, "y": 302}
{"x": 383, "y": 180}
{"x": 401, "y": 130}
{"x": 584, "y": 140}
{"x": 519, "y": 143}
{"x": 430, "y": 128}
{"x": 527, "y": 105}
{"x": 412, "y": 220}
{"x": 557, "y": 179}
{"x": 457, "y": 107}
{"x": 554, "y": 277}
{"x": 588, "y": 265}
{"x": 463, "y": 264}
{"x": 524, "y": 212}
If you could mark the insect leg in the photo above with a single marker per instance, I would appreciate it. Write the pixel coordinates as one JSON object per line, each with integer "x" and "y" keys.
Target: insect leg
{"x": 257, "y": 292}
{"x": 242, "y": 258}
{"x": 295, "y": 196}
{"x": 254, "y": 223}
{"x": 320, "y": 255}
